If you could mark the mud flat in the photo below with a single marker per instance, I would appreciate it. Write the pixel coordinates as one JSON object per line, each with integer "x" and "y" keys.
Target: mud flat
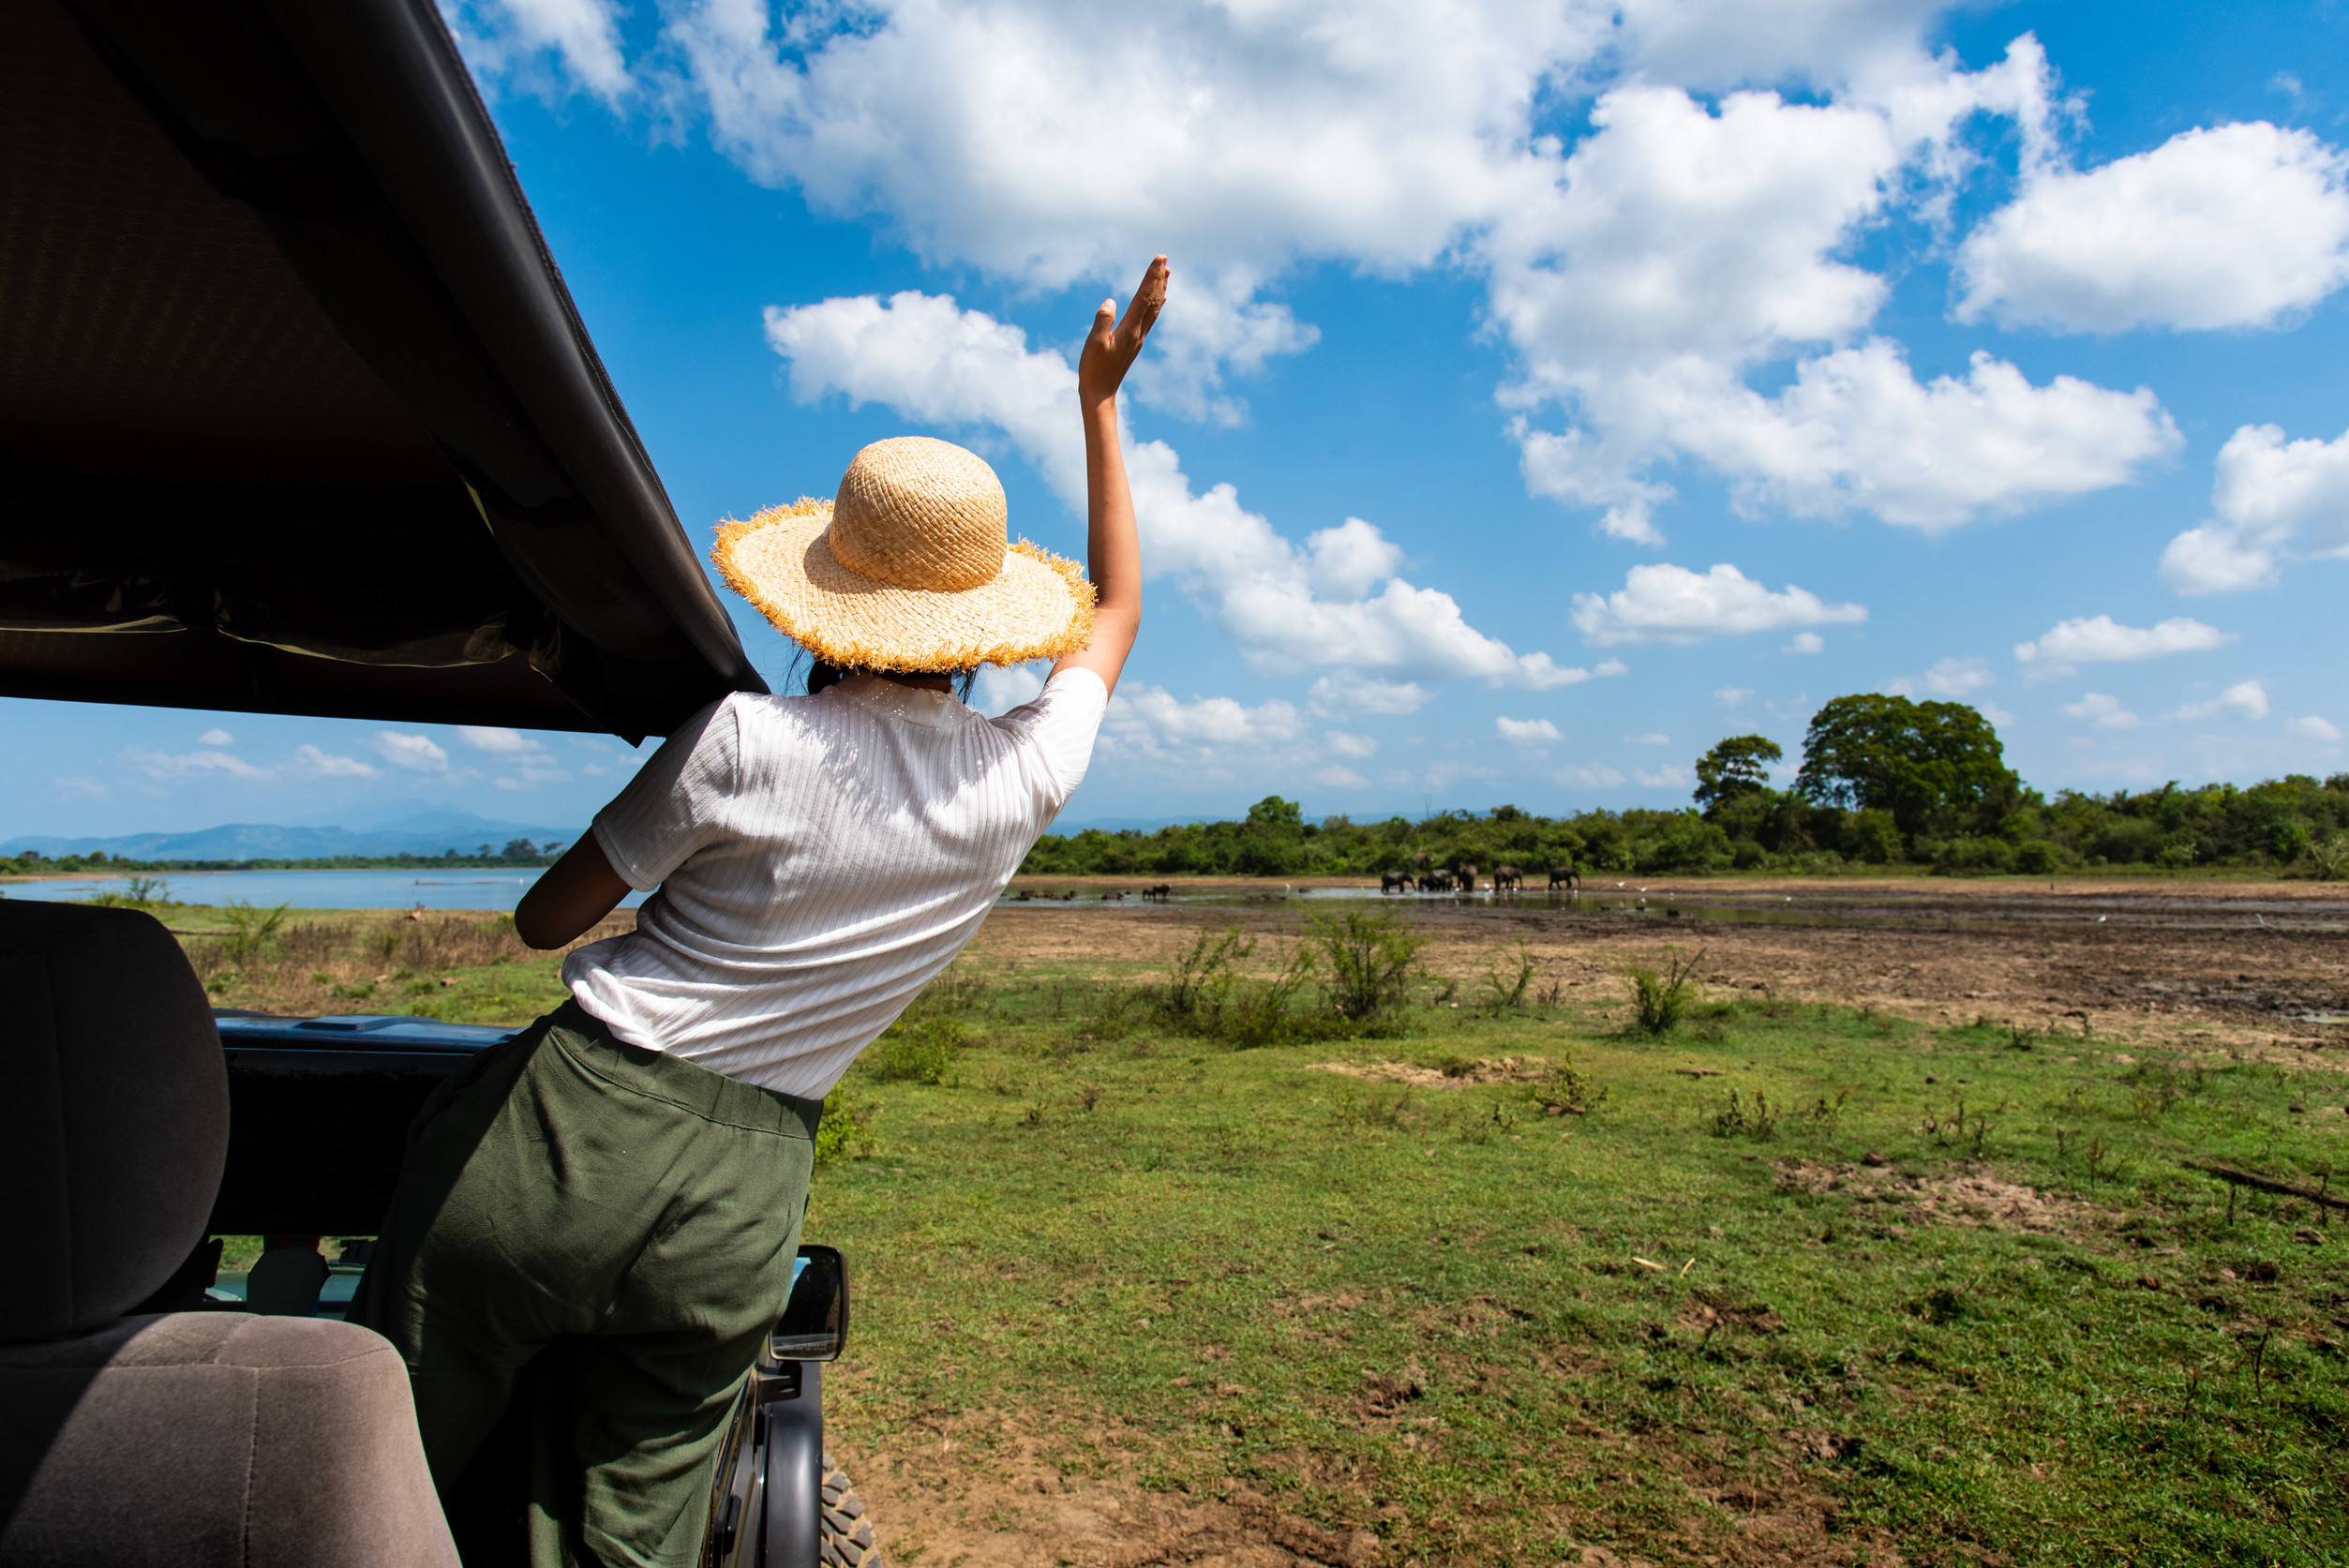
{"x": 2189, "y": 963}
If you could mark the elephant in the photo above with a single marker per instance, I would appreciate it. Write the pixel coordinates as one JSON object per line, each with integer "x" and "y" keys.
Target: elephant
{"x": 1507, "y": 876}
{"x": 1567, "y": 874}
{"x": 1468, "y": 878}
{"x": 1394, "y": 882}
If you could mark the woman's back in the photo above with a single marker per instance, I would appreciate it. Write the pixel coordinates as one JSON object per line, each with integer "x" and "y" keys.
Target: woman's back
{"x": 818, "y": 861}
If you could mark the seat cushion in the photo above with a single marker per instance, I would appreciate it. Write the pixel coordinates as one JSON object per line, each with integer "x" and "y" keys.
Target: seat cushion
{"x": 204, "y": 1438}
{"x": 116, "y": 1116}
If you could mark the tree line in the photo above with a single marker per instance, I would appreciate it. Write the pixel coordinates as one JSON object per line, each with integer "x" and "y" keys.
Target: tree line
{"x": 1884, "y": 780}
{"x": 518, "y": 852}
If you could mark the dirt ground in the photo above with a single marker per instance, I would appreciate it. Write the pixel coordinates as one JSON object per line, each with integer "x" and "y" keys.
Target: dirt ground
{"x": 2192, "y": 965}
{"x": 2131, "y": 968}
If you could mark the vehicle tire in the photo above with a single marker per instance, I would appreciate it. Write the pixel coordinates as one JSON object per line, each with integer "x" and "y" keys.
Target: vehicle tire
{"x": 846, "y": 1535}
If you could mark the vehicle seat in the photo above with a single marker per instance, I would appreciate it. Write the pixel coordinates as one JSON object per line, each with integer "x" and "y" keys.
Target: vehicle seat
{"x": 178, "y": 1438}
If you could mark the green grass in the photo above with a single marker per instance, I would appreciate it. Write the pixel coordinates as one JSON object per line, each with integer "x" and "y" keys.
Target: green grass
{"x": 1423, "y": 1310}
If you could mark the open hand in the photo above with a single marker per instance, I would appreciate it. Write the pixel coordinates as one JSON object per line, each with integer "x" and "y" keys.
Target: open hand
{"x": 1110, "y": 348}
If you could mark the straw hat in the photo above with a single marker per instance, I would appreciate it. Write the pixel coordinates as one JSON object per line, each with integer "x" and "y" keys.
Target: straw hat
{"x": 908, "y": 568}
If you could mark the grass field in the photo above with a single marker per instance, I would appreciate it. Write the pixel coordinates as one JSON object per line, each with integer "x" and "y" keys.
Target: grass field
{"x": 1792, "y": 1282}
{"x": 1862, "y": 1291}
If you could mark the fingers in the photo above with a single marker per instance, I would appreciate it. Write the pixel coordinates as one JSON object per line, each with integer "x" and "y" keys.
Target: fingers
{"x": 1149, "y": 298}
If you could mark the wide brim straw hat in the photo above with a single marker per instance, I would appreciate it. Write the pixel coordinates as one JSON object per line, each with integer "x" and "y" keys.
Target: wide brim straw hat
{"x": 910, "y": 567}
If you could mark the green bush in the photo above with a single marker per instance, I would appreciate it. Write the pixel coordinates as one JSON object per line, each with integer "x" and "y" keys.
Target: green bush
{"x": 1658, "y": 1000}
{"x": 846, "y": 1130}
{"x": 2038, "y": 857}
{"x": 915, "y": 1051}
{"x": 1370, "y": 960}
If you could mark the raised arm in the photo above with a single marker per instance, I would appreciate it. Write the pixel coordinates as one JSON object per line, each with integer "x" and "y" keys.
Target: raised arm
{"x": 1113, "y": 553}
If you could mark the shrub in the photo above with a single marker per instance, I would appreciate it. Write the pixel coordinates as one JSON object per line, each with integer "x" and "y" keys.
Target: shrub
{"x": 1658, "y": 1000}
{"x": 847, "y": 1129}
{"x": 915, "y": 1051}
{"x": 249, "y": 932}
{"x": 1566, "y": 1091}
{"x": 2038, "y": 856}
{"x": 2330, "y": 858}
{"x": 1974, "y": 857}
{"x": 1509, "y": 974}
{"x": 1372, "y": 961}
{"x": 1203, "y": 976}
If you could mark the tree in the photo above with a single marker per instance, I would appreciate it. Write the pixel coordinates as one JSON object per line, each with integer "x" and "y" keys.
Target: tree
{"x": 1935, "y": 765}
{"x": 1273, "y": 812}
{"x": 519, "y": 849}
{"x": 1738, "y": 765}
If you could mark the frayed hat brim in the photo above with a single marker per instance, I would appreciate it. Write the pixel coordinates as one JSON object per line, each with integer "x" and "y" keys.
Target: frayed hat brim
{"x": 1039, "y": 606}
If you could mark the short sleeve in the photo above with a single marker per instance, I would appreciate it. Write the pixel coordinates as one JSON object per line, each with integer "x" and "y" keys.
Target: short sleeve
{"x": 1059, "y": 727}
{"x": 675, "y": 803}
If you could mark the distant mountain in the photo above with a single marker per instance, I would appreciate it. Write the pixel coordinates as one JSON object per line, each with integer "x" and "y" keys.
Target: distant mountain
{"x": 424, "y": 832}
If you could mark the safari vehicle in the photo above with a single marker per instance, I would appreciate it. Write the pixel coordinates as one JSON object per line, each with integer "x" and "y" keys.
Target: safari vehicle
{"x": 297, "y": 416}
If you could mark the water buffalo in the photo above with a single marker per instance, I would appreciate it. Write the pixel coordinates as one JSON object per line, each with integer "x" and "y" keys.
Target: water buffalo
{"x": 1159, "y": 892}
{"x": 1507, "y": 876}
{"x": 1567, "y": 875}
{"x": 1394, "y": 882}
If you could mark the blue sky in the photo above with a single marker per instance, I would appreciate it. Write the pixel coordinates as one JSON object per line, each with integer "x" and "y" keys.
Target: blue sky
{"x": 1546, "y": 392}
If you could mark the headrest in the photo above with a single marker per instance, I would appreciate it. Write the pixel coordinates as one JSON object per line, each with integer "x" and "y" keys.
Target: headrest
{"x": 116, "y": 1117}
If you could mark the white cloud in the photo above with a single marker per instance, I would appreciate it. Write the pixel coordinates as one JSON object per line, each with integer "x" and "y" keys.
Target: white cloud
{"x": 935, "y": 363}
{"x": 1355, "y": 746}
{"x": 1665, "y": 777}
{"x": 2101, "y": 640}
{"x": 2273, "y": 500}
{"x": 2311, "y": 727}
{"x": 1028, "y": 141}
{"x": 1151, "y": 717}
{"x": 1805, "y": 642}
{"x": 1731, "y": 697}
{"x": 2245, "y": 699}
{"x": 160, "y": 764}
{"x": 495, "y": 738}
{"x": 1685, "y": 246}
{"x": 80, "y": 787}
{"x": 1001, "y": 687}
{"x": 2104, "y": 709}
{"x": 1527, "y": 732}
{"x": 2232, "y": 226}
{"x": 1951, "y": 678}
{"x": 215, "y": 738}
{"x": 520, "y": 37}
{"x": 1589, "y": 776}
{"x": 418, "y": 753}
{"x": 1657, "y": 739}
{"x": 316, "y": 763}
{"x": 1672, "y": 604}
{"x": 1340, "y": 778}
{"x": 1348, "y": 692}
{"x": 1637, "y": 275}
{"x": 530, "y": 775}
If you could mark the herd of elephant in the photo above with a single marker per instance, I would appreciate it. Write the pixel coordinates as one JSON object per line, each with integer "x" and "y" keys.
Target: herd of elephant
{"x": 1462, "y": 879}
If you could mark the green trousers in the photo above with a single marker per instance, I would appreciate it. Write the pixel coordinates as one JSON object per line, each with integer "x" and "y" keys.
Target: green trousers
{"x": 633, "y": 1217}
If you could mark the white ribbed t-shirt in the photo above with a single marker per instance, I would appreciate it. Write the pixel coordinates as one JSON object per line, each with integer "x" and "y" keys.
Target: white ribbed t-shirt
{"x": 818, "y": 861}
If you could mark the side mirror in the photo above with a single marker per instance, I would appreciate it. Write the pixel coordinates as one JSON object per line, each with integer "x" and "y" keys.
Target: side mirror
{"x": 815, "y": 1325}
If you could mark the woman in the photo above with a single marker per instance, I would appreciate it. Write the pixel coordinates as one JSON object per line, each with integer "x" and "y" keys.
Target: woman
{"x": 621, "y": 1185}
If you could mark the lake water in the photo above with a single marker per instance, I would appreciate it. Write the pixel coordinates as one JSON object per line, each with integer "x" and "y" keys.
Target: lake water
{"x": 465, "y": 887}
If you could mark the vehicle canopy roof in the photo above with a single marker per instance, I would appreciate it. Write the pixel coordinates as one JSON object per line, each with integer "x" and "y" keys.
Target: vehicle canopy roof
{"x": 296, "y": 414}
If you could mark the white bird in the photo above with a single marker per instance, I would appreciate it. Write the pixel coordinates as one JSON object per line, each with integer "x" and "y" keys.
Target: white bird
{"x": 2100, "y": 920}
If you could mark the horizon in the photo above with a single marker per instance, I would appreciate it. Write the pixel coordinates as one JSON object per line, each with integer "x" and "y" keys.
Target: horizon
{"x": 1539, "y": 402}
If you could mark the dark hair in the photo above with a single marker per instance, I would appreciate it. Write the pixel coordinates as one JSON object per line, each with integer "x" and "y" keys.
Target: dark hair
{"x": 821, "y": 675}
